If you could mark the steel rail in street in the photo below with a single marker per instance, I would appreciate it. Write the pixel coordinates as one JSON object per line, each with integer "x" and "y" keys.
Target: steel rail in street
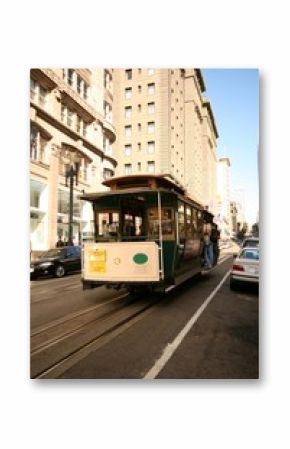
{"x": 59, "y": 353}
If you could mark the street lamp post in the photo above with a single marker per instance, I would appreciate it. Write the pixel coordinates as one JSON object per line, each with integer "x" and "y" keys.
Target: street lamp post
{"x": 72, "y": 164}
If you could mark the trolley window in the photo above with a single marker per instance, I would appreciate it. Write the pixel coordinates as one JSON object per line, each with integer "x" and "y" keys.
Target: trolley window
{"x": 108, "y": 224}
{"x": 181, "y": 228}
{"x": 167, "y": 223}
{"x": 189, "y": 229}
{"x": 133, "y": 218}
{"x": 133, "y": 225}
{"x": 194, "y": 220}
{"x": 199, "y": 222}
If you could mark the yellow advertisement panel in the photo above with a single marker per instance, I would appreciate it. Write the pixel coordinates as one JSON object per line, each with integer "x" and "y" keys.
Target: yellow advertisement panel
{"x": 97, "y": 260}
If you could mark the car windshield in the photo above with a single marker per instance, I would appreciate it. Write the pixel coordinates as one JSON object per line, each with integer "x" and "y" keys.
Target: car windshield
{"x": 252, "y": 243}
{"x": 52, "y": 253}
{"x": 252, "y": 254}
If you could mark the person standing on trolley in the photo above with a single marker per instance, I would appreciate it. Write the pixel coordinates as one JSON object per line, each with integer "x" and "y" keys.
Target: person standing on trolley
{"x": 208, "y": 251}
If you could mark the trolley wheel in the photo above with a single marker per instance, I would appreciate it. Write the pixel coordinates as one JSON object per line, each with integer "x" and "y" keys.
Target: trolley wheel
{"x": 59, "y": 271}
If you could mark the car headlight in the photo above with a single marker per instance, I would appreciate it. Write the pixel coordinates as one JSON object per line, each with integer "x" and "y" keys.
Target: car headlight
{"x": 45, "y": 264}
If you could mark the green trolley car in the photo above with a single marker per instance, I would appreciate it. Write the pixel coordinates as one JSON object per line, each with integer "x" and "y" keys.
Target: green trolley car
{"x": 148, "y": 233}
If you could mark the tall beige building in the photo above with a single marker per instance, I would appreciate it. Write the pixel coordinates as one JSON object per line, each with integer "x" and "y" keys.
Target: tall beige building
{"x": 70, "y": 121}
{"x": 224, "y": 196}
{"x": 164, "y": 125}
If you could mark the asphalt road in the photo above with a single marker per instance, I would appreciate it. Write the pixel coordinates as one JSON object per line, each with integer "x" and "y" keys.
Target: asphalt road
{"x": 221, "y": 342}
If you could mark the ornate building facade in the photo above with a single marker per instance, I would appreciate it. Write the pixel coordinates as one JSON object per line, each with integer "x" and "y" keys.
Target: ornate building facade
{"x": 70, "y": 122}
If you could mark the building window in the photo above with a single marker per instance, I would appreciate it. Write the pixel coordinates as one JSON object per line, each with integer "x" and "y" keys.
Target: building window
{"x": 128, "y": 150}
{"x": 38, "y": 214}
{"x": 107, "y": 111}
{"x": 139, "y": 127}
{"x": 38, "y": 146}
{"x": 151, "y": 71}
{"x": 128, "y": 131}
{"x": 38, "y": 93}
{"x": 85, "y": 91}
{"x": 36, "y": 191}
{"x": 70, "y": 76}
{"x": 63, "y": 112}
{"x": 127, "y": 169}
{"x": 107, "y": 173}
{"x": 69, "y": 118}
{"x": 139, "y": 166}
{"x": 151, "y": 108}
{"x": 83, "y": 173}
{"x": 151, "y": 127}
{"x": 79, "y": 124}
{"x": 139, "y": 89}
{"x": 128, "y": 74}
{"x": 33, "y": 89}
{"x": 139, "y": 108}
{"x": 139, "y": 71}
{"x": 79, "y": 84}
{"x": 107, "y": 79}
{"x": 85, "y": 129}
{"x": 128, "y": 93}
{"x": 73, "y": 120}
{"x": 42, "y": 148}
{"x": 151, "y": 167}
{"x": 151, "y": 147}
{"x": 139, "y": 146}
{"x": 106, "y": 146}
{"x": 63, "y": 203}
{"x": 151, "y": 88}
{"x": 128, "y": 112}
{"x": 33, "y": 144}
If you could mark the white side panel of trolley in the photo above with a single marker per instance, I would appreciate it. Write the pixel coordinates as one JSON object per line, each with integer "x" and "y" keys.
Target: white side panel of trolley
{"x": 121, "y": 261}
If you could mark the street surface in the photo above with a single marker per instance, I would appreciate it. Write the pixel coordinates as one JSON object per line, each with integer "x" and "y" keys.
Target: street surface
{"x": 200, "y": 330}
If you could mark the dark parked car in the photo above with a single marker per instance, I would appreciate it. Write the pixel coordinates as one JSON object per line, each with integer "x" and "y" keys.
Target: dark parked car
{"x": 57, "y": 262}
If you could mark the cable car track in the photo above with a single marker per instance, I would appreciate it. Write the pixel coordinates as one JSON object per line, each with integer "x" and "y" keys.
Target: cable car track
{"x": 73, "y": 316}
{"x": 53, "y": 353}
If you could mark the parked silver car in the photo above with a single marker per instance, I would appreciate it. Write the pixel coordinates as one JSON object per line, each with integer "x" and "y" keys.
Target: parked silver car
{"x": 252, "y": 242}
{"x": 245, "y": 267}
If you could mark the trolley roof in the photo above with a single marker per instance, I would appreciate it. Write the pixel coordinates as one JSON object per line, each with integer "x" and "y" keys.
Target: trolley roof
{"x": 151, "y": 181}
{"x": 137, "y": 184}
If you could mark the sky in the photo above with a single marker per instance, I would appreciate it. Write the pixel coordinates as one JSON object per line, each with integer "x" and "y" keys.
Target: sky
{"x": 234, "y": 96}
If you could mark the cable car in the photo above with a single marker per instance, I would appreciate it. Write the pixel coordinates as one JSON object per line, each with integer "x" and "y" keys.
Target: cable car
{"x": 148, "y": 233}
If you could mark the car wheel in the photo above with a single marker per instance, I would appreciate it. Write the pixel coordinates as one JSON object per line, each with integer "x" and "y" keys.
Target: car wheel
{"x": 233, "y": 284}
{"x": 59, "y": 271}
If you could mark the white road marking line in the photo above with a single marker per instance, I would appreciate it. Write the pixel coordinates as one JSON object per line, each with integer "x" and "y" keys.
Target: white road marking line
{"x": 171, "y": 347}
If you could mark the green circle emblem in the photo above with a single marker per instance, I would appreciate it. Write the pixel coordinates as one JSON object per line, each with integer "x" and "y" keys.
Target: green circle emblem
{"x": 140, "y": 258}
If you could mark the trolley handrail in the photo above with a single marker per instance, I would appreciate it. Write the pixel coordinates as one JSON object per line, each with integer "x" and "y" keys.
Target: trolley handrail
{"x": 160, "y": 246}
